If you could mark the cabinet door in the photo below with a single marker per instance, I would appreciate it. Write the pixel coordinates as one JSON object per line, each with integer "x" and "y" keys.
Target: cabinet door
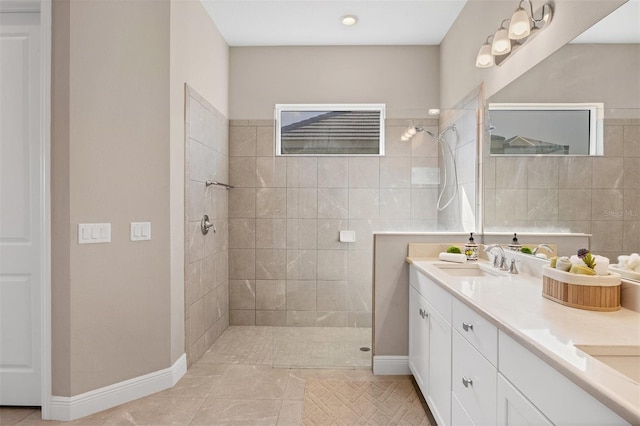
{"x": 514, "y": 409}
{"x": 439, "y": 385}
{"x": 418, "y": 338}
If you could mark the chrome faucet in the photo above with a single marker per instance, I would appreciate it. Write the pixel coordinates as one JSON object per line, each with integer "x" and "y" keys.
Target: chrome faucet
{"x": 544, "y": 246}
{"x": 513, "y": 269}
{"x": 498, "y": 262}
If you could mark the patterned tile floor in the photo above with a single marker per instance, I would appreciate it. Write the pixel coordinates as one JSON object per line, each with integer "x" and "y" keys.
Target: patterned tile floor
{"x": 268, "y": 376}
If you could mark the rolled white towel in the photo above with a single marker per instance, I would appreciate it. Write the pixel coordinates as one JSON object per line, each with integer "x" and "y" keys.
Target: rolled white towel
{"x": 453, "y": 257}
{"x": 602, "y": 265}
{"x": 622, "y": 262}
{"x": 576, "y": 260}
{"x": 633, "y": 261}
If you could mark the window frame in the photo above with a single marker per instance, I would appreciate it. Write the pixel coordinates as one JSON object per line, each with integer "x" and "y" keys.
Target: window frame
{"x": 280, "y": 108}
{"x": 596, "y": 122}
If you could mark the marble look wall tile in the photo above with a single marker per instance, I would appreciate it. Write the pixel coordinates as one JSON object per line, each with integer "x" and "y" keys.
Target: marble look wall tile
{"x": 574, "y": 204}
{"x": 333, "y": 203}
{"x": 218, "y": 240}
{"x": 242, "y": 203}
{"x": 193, "y": 283}
{"x": 364, "y": 172}
{"x": 425, "y": 172}
{"x": 606, "y": 236}
{"x": 359, "y": 296}
{"x": 242, "y": 317}
{"x": 242, "y": 172}
{"x": 242, "y": 264}
{"x": 630, "y": 237}
{"x": 216, "y": 204}
{"x": 302, "y": 172}
{"x": 242, "y": 233}
{"x": 271, "y": 295}
{"x": 395, "y": 172}
{"x": 511, "y": 173}
{"x": 209, "y": 273}
{"x": 364, "y": 233}
{"x": 607, "y": 204}
{"x": 575, "y": 172}
{"x": 631, "y": 141}
{"x": 332, "y": 296}
{"x": 302, "y": 264}
{"x": 271, "y": 318}
{"x": 329, "y": 234}
{"x": 395, "y": 203}
{"x": 271, "y": 264}
{"x": 359, "y": 319}
{"x": 301, "y": 295}
{"x": 364, "y": 203}
{"x": 423, "y": 203}
{"x": 301, "y": 318}
{"x": 265, "y": 141}
{"x": 542, "y": 204}
{"x": 271, "y": 233}
{"x": 613, "y": 141}
{"x": 271, "y": 203}
{"x": 196, "y": 120}
{"x": 632, "y": 205}
{"x": 632, "y": 173}
{"x": 196, "y": 242}
{"x": 196, "y": 320}
{"x": 511, "y": 204}
{"x": 489, "y": 172}
{"x": 332, "y": 265}
{"x": 333, "y": 172}
{"x": 360, "y": 265}
{"x": 242, "y": 294}
{"x": 302, "y": 234}
{"x": 197, "y": 157}
{"x": 242, "y": 141}
{"x": 423, "y": 145}
{"x": 271, "y": 172}
{"x": 542, "y": 172}
{"x": 222, "y": 267}
{"x": 394, "y": 146}
{"x": 331, "y": 319}
{"x": 607, "y": 173}
{"x": 194, "y": 203}
{"x": 212, "y": 309}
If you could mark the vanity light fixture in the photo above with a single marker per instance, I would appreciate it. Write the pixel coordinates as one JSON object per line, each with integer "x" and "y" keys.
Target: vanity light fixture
{"x": 349, "y": 20}
{"x": 523, "y": 26}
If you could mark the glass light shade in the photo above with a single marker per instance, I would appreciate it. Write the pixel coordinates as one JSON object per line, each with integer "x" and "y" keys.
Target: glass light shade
{"x": 501, "y": 43}
{"x": 520, "y": 25}
{"x": 485, "y": 58}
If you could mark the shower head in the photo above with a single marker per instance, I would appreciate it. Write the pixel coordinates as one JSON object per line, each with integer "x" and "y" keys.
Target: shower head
{"x": 412, "y": 131}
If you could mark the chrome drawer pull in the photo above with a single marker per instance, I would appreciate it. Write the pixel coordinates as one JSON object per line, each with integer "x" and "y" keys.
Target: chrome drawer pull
{"x": 467, "y": 382}
{"x": 466, "y": 326}
{"x": 423, "y": 313}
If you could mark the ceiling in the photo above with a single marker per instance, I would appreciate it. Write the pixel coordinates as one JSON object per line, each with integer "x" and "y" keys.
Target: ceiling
{"x": 380, "y": 22}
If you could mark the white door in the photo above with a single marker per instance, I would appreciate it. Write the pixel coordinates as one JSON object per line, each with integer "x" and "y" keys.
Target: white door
{"x": 21, "y": 210}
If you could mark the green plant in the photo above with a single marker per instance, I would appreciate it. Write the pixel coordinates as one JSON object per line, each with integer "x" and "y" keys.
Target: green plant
{"x": 453, "y": 249}
{"x": 526, "y": 250}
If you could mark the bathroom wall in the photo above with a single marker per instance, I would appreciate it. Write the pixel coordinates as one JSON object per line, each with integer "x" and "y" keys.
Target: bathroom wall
{"x": 109, "y": 163}
{"x": 206, "y": 258}
{"x": 286, "y": 265}
{"x": 593, "y": 195}
{"x": 200, "y": 58}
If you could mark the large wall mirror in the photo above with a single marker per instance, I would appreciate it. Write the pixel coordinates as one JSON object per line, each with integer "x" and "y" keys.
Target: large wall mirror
{"x": 598, "y": 195}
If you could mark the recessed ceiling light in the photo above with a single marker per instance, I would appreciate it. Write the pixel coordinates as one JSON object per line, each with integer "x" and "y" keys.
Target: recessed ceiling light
{"x": 349, "y": 20}
{"x": 434, "y": 111}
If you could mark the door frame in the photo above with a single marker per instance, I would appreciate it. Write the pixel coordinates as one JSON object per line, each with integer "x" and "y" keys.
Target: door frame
{"x": 45, "y": 168}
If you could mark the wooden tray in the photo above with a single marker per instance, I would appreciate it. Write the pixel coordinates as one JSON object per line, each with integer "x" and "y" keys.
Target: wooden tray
{"x": 590, "y": 292}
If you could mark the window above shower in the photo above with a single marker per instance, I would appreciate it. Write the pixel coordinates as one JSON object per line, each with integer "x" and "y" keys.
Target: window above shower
{"x": 330, "y": 129}
{"x": 546, "y": 128}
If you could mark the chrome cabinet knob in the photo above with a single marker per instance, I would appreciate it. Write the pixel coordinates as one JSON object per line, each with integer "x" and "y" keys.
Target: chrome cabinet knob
{"x": 467, "y": 382}
{"x": 466, "y": 326}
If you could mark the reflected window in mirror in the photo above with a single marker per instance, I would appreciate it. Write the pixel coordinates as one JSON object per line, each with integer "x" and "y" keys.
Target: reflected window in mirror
{"x": 545, "y": 128}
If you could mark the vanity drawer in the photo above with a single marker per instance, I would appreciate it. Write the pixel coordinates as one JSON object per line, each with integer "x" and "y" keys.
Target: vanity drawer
{"x": 478, "y": 331}
{"x": 474, "y": 382}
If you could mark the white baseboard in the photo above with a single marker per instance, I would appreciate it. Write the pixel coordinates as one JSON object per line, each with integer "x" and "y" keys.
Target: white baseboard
{"x": 391, "y": 365}
{"x": 75, "y": 407}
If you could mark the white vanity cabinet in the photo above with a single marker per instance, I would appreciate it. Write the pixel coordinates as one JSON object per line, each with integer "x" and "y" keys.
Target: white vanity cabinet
{"x": 514, "y": 409}
{"x": 430, "y": 343}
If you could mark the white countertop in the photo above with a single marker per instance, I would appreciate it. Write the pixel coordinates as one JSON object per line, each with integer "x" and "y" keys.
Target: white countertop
{"x": 550, "y": 330}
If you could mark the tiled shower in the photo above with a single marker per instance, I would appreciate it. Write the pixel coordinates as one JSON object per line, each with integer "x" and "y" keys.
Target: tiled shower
{"x": 206, "y": 256}
{"x": 287, "y": 266}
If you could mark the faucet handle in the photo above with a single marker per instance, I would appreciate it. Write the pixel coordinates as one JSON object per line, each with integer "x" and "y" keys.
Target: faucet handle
{"x": 513, "y": 269}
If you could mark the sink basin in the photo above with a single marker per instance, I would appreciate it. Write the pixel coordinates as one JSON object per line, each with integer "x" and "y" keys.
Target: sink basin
{"x": 470, "y": 270}
{"x": 624, "y": 359}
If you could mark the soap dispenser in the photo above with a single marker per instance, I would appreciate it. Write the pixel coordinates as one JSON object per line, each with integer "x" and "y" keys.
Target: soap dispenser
{"x": 471, "y": 249}
{"x": 515, "y": 245}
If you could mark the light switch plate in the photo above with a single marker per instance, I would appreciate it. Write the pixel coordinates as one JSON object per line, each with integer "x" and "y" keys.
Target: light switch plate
{"x": 140, "y": 231}
{"x": 94, "y": 233}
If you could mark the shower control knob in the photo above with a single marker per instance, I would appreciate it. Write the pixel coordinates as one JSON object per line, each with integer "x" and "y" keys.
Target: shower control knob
{"x": 205, "y": 225}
